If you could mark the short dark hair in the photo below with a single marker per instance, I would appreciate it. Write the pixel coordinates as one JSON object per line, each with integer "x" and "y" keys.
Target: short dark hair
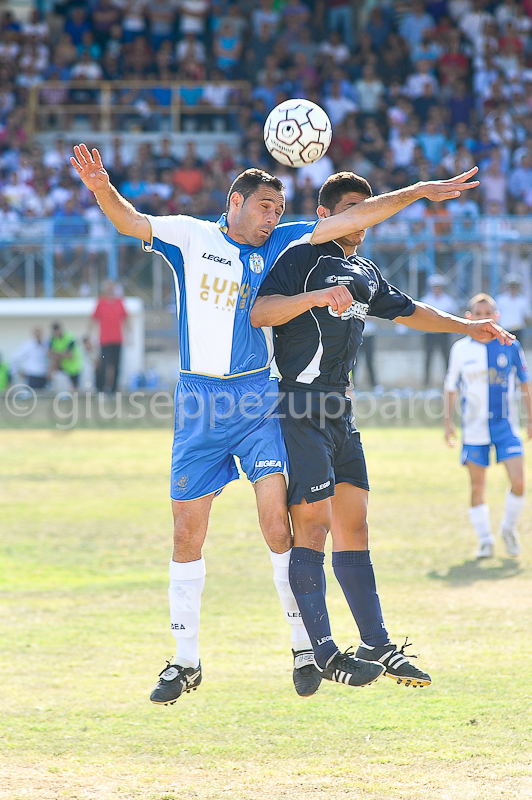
{"x": 249, "y": 181}
{"x": 339, "y": 184}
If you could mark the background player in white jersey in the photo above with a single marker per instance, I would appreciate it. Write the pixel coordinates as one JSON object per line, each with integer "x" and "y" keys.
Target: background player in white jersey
{"x": 315, "y": 347}
{"x": 485, "y": 376}
{"x": 219, "y": 268}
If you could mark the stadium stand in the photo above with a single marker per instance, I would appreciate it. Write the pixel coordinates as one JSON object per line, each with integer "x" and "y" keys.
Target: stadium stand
{"x": 415, "y": 90}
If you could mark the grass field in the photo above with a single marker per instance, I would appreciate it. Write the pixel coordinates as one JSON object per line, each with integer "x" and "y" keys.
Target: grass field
{"x": 84, "y": 631}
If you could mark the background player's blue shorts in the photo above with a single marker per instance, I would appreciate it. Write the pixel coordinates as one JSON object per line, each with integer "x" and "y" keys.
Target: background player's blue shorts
{"x": 507, "y": 446}
{"x": 217, "y": 419}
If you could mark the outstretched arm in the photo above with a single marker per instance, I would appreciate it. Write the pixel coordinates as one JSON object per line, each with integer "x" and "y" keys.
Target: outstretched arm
{"x": 426, "y": 318}
{"x": 276, "y": 309}
{"x": 122, "y": 214}
{"x": 377, "y": 209}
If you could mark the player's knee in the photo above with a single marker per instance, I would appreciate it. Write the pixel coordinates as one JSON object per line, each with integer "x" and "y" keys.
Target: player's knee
{"x": 518, "y": 486}
{"x": 276, "y": 532}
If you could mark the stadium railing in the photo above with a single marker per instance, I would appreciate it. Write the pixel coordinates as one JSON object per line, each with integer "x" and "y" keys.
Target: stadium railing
{"x": 54, "y": 257}
{"x": 115, "y": 106}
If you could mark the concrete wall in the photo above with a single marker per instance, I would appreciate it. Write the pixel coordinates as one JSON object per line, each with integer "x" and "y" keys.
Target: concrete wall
{"x": 18, "y": 317}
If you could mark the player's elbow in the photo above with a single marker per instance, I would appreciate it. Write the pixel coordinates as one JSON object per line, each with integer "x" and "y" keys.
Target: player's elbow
{"x": 256, "y": 318}
{"x": 259, "y": 315}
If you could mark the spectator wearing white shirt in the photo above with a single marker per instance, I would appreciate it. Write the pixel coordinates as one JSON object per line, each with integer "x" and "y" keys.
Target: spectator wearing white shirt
{"x": 190, "y": 49}
{"x": 335, "y": 48}
{"x": 440, "y": 299}
{"x": 86, "y": 68}
{"x": 402, "y": 146}
{"x": 265, "y": 15}
{"x": 415, "y": 83}
{"x": 31, "y": 361}
{"x": 337, "y": 105}
{"x": 370, "y": 90}
{"x": 193, "y": 16}
{"x": 318, "y": 172}
{"x": 514, "y": 306}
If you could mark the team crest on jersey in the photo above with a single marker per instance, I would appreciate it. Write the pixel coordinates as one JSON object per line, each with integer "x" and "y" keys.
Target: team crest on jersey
{"x": 502, "y": 360}
{"x": 372, "y": 286}
{"x": 256, "y": 263}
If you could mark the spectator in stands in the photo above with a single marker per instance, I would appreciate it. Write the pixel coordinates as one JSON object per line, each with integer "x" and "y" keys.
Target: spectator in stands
{"x": 134, "y": 188}
{"x": 77, "y": 24}
{"x": 520, "y": 183}
{"x": 493, "y": 184}
{"x": 161, "y": 16}
{"x": 514, "y": 306}
{"x": 105, "y": 14}
{"x": 340, "y": 18}
{"x": 414, "y": 23}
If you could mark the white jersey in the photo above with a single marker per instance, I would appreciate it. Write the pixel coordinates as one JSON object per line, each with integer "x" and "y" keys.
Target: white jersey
{"x": 217, "y": 281}
{"x": 31, "y": 359}
{"x": 485, "y": 375}
{"x": 513, "y": 311}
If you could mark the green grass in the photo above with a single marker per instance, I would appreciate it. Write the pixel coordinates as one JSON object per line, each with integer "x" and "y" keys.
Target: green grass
{"x": 86, "y": 530}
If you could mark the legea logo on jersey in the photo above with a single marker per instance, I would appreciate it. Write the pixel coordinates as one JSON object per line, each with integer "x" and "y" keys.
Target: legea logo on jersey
{"x": 256, "y": 263}
{"x": 356, "y": 309}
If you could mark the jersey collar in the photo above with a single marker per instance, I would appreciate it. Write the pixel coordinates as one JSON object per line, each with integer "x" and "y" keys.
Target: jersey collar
{"x": 222, "y": 223}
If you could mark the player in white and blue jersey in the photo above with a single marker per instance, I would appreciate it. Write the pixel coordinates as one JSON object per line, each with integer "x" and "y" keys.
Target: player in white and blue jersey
{"x": 224, "y": 396}
{"x": 486, "y": 377}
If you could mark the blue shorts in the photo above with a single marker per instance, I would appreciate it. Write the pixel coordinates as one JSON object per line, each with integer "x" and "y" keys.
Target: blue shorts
{"x": 506, "y": 447}
{"x": 217, "y": 419}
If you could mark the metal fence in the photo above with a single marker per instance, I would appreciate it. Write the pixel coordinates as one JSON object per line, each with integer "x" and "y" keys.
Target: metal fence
{"x": 52, "y": 258}
{"x": 142, "y": 105}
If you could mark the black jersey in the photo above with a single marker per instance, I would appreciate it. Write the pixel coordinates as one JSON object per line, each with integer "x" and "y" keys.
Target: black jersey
{"x": 317, "y": 349}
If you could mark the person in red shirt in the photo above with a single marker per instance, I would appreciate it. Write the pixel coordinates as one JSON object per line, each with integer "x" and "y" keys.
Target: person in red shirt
{"x": 111, "y": 316}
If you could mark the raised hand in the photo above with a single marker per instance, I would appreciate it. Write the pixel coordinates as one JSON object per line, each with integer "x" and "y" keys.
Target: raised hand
{"x": 486, "y": 331}
{"x": 451, "y": 188}
{"x": 90, "y": 168}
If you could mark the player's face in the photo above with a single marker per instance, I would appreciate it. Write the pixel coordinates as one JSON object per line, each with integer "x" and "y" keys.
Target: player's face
{"x": 483, "y": 310}
{"x": 348, "y": 201}
{"x": 252, "y": 221}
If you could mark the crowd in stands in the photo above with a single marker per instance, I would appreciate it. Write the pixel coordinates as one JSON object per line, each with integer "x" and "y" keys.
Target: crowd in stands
{"x": 415, "y": 89}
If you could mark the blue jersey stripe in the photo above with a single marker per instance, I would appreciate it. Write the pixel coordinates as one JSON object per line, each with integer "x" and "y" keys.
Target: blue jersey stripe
{"x": 174, "y": 257}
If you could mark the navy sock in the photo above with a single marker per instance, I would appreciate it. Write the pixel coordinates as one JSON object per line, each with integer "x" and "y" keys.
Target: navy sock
{"x": 354, "y": 572}
{"x": 307, "y": 579}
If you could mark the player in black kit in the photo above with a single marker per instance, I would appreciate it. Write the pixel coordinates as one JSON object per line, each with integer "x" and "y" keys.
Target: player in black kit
{"x": 317, "y": 298}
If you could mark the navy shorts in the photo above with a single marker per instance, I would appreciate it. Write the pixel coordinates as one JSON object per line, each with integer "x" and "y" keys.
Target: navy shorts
{"x": 323, "y": 445}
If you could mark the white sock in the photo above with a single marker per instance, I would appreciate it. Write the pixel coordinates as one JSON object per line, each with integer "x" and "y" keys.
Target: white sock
{"x": 514, "y": 507}
{"x": 480, "y": 519}
{"x": 184, "y": 593}
{"x": 298, "y": 633}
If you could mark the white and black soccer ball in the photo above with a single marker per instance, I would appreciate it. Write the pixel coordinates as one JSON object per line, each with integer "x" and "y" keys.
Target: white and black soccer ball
{"x": 297, "y": 132}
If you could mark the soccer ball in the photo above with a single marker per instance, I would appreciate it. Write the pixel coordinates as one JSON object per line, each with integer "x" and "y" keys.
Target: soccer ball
{"x": 297, "y": 132}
